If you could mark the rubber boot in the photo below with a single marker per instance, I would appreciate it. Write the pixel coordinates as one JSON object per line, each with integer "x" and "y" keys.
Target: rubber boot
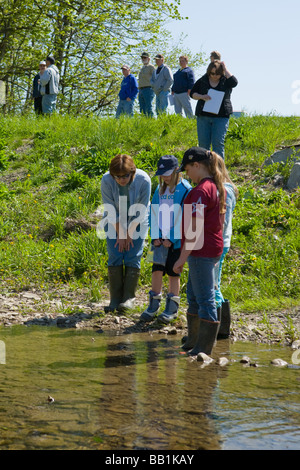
{"x": 193, "y": 322}
{"x": 225, "y": 320}
{"x": 115, "y": 281}
{"x": 153, "y": 307}
{"x": 131, "y": 280}
{"x": 171, "y": 310}
{"x": 206, "y": 337}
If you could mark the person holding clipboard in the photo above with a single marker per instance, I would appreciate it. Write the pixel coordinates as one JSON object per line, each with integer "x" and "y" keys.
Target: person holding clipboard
{"x": 213, "y": 93}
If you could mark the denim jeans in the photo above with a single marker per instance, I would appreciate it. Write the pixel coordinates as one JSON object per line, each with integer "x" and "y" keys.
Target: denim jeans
{"x": 125, "y": 107}
{"x": 162, "y": 102}
{"x": 49, "y": 103}
{"x": 218, "y": 273}
{"x": 131, "y": 258}
{"x": 200, "y": 290}
{"x": 212, "y": 132}
{"x": 146, "y": 96}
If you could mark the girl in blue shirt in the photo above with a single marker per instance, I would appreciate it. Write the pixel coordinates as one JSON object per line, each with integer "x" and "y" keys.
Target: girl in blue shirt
{"x": 165, "y": 232}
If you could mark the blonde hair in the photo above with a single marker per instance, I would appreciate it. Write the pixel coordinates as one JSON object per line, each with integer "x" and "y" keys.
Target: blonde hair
{"x": 172, "y": 185}
{"x": 216, "y": 170}
{"x": 227, "y": 178}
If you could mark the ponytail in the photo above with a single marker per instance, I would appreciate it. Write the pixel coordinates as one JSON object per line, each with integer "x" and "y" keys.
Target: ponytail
{"x": 214, "y": 166}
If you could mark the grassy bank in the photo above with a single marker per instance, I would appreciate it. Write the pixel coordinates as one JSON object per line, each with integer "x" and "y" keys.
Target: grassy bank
{"x": 50, "y": 174}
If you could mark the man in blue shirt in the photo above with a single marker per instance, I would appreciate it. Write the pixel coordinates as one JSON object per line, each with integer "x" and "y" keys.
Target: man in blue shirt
{"x": 183, "y": 83}
{"x": 128, "y": 93}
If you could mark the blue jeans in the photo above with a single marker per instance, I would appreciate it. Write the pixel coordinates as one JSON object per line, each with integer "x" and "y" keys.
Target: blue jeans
{"x": 200, "y": 290}
{"x": 131, "y": 258}
{"x": 146, "y": 96}
{"x": 212, "y": 132}
{"x": 218, "y": 273}
{"x": 125, "y": 107}
{"x": 162, "y": 102}
{"x": 49, "y": 103}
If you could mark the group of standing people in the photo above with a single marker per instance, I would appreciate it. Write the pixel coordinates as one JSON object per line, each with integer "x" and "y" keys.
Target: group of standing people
{"x": 46, "y": 87}
{"x": 187, "y": 224}
{"x": 179, "y": 89}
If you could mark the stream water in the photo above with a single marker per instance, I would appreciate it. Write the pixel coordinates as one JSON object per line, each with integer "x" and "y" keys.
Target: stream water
{"x": 137, "y": 391}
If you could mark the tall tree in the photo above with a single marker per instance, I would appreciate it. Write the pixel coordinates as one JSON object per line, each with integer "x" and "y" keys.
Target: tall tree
{"x": 89, "y": 39}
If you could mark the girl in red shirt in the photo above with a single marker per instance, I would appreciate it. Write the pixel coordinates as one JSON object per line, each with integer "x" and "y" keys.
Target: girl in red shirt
{"x": 202, "y": 245}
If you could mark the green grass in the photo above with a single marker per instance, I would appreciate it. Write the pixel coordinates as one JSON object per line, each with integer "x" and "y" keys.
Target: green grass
{"x": 51, "y": 169}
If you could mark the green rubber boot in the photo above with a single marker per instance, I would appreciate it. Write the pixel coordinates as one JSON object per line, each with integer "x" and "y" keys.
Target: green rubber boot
{"x": 206, "y": 337}
{"x": 193, "y": 322}
{"x": 225, "y": 320}
{"x": 131, "y": 280}
{"x": 115, "y": 281}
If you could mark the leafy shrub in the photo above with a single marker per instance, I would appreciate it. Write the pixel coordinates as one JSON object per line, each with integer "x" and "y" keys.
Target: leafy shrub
{"x": 95, "y": 162}
{"x": 73, "y": 181}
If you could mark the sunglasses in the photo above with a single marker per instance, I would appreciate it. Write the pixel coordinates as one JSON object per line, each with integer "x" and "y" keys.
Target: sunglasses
{"x": 214, "y": 73}
{"x": 122, "y": 177}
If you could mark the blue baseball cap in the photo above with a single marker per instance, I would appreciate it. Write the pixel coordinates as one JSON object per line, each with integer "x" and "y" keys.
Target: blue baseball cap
{"x": 166, "y": 165}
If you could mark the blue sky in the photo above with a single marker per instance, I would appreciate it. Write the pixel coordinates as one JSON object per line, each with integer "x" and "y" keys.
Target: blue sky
{"x": 260, "y": 43}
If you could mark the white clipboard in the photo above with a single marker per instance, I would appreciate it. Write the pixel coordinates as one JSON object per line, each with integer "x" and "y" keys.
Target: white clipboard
{"x": 213, "y": 105}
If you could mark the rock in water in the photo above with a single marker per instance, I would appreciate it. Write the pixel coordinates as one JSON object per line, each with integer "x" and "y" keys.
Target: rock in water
{"x": 202, "y": 357}
{"x": 279, "y": 362}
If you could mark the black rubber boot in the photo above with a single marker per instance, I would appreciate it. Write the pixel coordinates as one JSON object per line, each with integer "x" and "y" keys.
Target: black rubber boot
{"x": 206, "y": 337}
{"x": 115, "y": 281}
{"x": 224, "y": 330}
{"x": 193, "y": 322}
{"x": 131, "y": 280}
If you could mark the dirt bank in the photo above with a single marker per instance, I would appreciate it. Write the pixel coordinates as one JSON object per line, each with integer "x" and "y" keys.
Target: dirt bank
{"x": 68, "y": 309}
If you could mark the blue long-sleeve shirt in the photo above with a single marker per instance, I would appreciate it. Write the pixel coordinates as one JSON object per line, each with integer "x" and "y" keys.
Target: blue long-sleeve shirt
{"x": 184, "y": 80}
{"x": 129, "y": 88}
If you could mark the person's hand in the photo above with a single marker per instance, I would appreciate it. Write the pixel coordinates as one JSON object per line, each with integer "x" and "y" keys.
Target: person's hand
{"x": 156, "y": 242}
{"x": 129, "y": 243}
{"x": 206, "y": 97}
{"x": 128, "y": 99}
{"x": 167, "y": 243}
{"x": 121, "y": 243}
{"x": 178, "y": 266}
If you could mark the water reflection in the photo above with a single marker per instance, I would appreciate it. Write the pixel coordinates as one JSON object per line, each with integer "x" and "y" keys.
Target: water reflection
{"x": 166, "y": 399}
{"x": 140, "y": 392}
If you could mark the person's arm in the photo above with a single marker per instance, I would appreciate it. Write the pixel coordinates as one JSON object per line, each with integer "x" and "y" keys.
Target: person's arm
{"x": 186, "y": 250}
{"x": 191, "y": 81}
{"x": 45, "y": 77}
{"x": 196, "y": 92}
{"x": 168, "y": 76}
{"x": 144, "y": 198}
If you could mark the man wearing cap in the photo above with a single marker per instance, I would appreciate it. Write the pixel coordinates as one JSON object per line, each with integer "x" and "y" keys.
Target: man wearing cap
{"x": 183, "y": 83}
{"x": 146, "y": 94}
{"x": 161, "y": 82}
{"x": 49, "y": 86}
{"x": 128, "y": 93}
{"x": 36, "y": 93}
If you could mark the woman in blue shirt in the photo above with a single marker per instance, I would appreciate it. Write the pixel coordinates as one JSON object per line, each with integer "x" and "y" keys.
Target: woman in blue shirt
{"x": 125, "y": 194}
